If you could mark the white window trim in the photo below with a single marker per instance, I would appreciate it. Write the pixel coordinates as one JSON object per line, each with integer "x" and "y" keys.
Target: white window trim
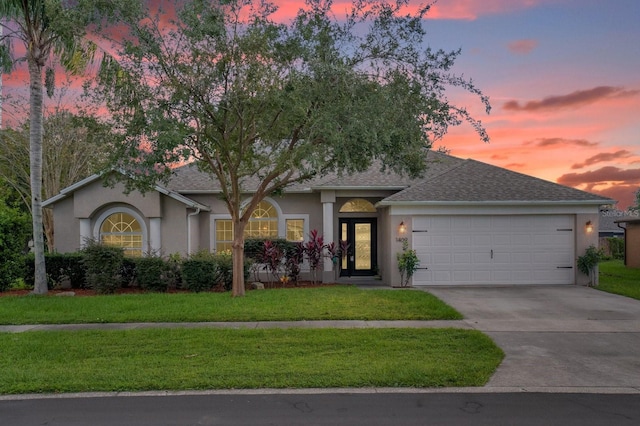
{"x": 122, "y": 209}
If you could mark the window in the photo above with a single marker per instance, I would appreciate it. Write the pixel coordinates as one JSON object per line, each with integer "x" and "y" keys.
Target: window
{"x": 224, "y": 235}
{"x": 357, "y": 205}
{"x": 295, "y": 229}
{"x": 122, "y": 230}
{"x": 263, "y": 222}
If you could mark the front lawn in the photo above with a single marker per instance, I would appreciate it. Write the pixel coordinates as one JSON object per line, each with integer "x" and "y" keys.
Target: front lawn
{"x": 616, "y": 278}
{"x": 179, "y": 359}
{"x": 324, "y": 303}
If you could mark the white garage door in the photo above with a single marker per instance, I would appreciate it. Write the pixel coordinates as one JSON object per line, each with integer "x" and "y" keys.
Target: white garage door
{"x": 494, "y": 249}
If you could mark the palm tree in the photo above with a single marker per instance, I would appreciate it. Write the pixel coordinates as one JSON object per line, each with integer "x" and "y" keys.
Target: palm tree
{"x": 50, "y": 30}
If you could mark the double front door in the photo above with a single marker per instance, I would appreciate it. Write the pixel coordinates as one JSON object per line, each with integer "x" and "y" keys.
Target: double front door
{"x": 360, "y": 234}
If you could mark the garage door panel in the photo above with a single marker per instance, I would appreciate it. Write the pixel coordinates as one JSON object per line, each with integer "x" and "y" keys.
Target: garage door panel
{"x": 481, "y": 258}
{"x": 442, "y": 259}
{"x": 462, "y": 240}
{"x": 494, "y": 249}
{"x": 462, "y": 258}
{"x": 481, "y": 240}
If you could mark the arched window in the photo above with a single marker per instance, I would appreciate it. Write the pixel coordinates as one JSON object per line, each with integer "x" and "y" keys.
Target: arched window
{"x": 357, "y": 205}
{"x": 121, "y": 229}
{"x": 263, "y": 222}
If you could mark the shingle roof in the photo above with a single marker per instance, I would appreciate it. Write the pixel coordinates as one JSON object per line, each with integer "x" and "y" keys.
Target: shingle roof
{"x": 608, "y": 218}
{"x": 473, "y": 181}
{"x": 188, "y": 179}
{"x": 447, "y": 179}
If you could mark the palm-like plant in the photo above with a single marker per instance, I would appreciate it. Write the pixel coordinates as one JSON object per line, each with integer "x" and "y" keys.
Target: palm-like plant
{"x": 51, "y": 31}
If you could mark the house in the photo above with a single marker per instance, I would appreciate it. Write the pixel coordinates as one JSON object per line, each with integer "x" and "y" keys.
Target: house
{"x": 469, "y": 222}
{"x": 608, "y": 226}
{"x": 631, "y": 241}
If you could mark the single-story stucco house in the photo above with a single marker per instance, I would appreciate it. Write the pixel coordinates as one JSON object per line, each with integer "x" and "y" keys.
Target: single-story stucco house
{"x": 469, "y": 222}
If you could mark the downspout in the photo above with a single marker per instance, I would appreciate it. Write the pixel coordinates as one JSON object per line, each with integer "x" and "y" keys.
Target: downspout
{"x": 197, "y": 212}
{"x": 625, "y": 241}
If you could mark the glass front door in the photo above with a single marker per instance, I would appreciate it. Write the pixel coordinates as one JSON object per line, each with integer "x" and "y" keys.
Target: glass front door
{"x": 360, "y": 234}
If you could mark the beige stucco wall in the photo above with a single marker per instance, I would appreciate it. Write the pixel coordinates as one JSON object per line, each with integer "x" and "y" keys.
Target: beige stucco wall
{"x": 174, "y": 227}
{"x": 66, "y": 227}
{"x": 95, "y": 196}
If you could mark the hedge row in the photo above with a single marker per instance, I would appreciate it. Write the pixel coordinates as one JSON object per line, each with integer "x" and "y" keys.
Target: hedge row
{"x": 105, "y": 270}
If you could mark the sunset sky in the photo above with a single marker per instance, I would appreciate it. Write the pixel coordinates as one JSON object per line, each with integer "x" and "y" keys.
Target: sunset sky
{"x": 563, "y": 78}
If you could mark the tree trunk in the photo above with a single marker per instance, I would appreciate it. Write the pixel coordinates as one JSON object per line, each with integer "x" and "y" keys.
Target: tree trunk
{"x": 237, "y": 252}
{"x": 35, "y": 163}
{"x": 47, "y": 222}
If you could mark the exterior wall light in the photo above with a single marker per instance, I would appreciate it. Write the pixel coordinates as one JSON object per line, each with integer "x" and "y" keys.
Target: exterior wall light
{"x": 588, "y": 227}
{"x": 402, "y": 229}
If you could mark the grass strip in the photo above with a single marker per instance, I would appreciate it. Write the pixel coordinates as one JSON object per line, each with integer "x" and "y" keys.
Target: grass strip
{"x": 618, "y": 279}
{"x": 178, "y": 359}
{"x": 324, "y": 303}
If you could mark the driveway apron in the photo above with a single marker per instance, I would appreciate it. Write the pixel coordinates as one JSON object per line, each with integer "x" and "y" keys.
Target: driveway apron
{"x": 555, "y": 336}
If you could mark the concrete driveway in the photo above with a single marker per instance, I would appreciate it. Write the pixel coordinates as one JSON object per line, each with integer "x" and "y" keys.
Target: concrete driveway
{"x": 564, "y": 338}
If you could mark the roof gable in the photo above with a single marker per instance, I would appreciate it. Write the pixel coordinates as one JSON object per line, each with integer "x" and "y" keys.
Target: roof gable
{"x": 96, "y": 177}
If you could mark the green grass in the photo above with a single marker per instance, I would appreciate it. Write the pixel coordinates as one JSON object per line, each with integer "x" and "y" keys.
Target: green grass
{"x": 325, "y": 303}
{"x": 618, "y": 279}
{"x": 179, "y": 359}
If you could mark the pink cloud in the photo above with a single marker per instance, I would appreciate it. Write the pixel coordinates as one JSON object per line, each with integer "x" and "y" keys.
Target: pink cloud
{"x": 603, "y": 157}
{"x": 560, "y": 142}
{"x": 575, "y": 99}
{"x": 472, "y": 9}
{"x": 623, "y": 194}
{"x": 603, "y": 175}
{"x": 522, "y": 47}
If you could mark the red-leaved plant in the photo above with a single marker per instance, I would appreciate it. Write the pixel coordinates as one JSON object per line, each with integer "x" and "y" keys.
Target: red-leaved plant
{"x": 314, "y": 249}
{"x": 272, "y": 257}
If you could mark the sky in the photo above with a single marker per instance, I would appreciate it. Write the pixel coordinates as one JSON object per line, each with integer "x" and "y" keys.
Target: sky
{"x": 563, "y": 79}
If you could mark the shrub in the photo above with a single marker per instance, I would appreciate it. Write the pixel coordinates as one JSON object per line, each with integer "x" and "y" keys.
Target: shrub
{"x": 15, "y": 230}
{"x": 294, "y": 257}
{"x": 153, "y": 273}
{"x": 103, "y": 265}
{"x": 128, "y": 272}
{"x": 408, "y": 263}
{"x": 199, "y": 274}
{"x": 314, "y": 250}
{"x": 587, "y": 263}
{"x": 224, "y": 264}
{"x": 67, "y": 266}
{"x": 616, "y": 247}
{"x": 60, "y": 268}
{"x": 272, "y": 257}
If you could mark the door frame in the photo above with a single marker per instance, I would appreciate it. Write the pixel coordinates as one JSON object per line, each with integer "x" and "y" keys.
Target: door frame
{"x": 350, "y": 270}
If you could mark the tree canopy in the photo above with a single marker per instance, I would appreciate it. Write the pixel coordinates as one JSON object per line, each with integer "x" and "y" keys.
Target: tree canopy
{"x": 50, "y": 31}
{"x": 224, "y": 84}
{"x": 74, "y": 147}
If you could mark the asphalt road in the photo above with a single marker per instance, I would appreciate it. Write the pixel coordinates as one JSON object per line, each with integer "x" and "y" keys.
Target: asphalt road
{"x": 458, "y": 409}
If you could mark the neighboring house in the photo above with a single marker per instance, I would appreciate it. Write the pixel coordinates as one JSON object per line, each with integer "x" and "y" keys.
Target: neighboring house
{"x": 608, "y": 226}
{"x": 469, "y": 222}
{"x": 631, "y": 241}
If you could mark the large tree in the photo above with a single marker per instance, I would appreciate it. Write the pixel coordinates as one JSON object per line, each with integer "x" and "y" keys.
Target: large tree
{"x": 245, "y": 96}
{"x": 50, "y": 31}
{"x": 74, "y": 146}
